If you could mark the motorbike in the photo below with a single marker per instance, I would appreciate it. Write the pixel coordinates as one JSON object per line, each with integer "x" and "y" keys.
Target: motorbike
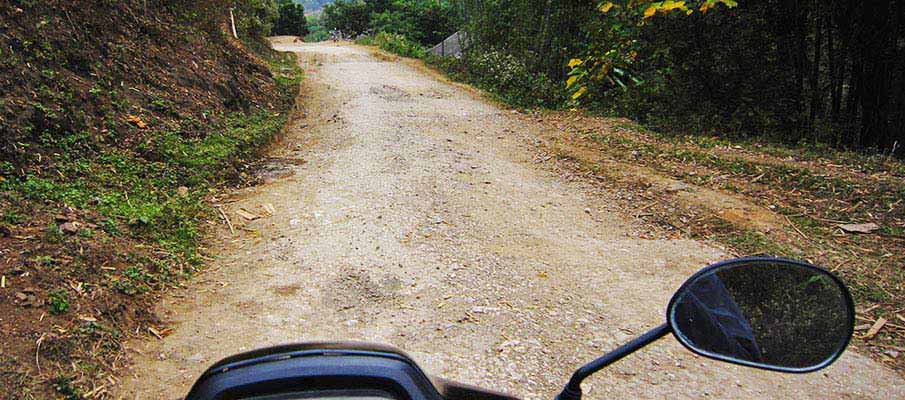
{"x": 761, "y": 312}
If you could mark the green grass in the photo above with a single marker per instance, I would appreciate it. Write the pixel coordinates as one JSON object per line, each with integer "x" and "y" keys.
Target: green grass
{"x": 135, "y": 190}
{"x": 805, "y": 151}
{"x": 139, "y": 196}
{"x": 753, "y": 242}
{"x": 788, "y": 176}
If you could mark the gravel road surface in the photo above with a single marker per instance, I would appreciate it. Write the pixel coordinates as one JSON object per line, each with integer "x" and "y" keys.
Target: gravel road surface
{"x": 407, "y": 210}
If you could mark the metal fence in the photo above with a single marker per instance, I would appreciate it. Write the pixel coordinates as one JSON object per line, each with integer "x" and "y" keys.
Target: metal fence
{"x": 451, "y": 46}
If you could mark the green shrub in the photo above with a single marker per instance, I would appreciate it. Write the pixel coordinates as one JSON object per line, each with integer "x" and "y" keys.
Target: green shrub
{"x": 394, "y": 43}
{"x": 254, "y": 21}
{"x": 505, "y": 76}
{"x": 453, "y": 67}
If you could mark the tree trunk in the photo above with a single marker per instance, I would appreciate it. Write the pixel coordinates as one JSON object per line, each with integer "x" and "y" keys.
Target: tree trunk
{"x": 816, "y": 92}
{"x": 873, "y": 91}
{"x": 546, "y": 38}
{"x": 833, "y": 66}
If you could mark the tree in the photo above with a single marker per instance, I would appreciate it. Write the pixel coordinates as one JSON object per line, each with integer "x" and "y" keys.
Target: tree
{"x": 612, "y": 56}
{"x": 428, "y": 22}
{"x": 818, "y": 71}
{"x": 292, "y": 19}
{"x": 425, "y": 21}
{"x": 351, "y": 18}
{"x": 254, "y": 22}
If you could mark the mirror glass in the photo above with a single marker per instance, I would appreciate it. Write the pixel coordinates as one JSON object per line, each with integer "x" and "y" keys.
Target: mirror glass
{"x": 766, "y": 313}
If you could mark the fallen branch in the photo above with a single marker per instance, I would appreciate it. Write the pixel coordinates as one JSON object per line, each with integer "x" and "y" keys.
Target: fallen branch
{"x": 38, "y": 352}
{"x": 229, "y": 223}
{"x": 875, "y": 329}
{"x": 789, "y": 220}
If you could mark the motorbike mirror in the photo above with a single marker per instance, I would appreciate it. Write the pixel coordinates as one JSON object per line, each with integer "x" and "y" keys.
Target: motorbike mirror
{"x": 768, "y": 313}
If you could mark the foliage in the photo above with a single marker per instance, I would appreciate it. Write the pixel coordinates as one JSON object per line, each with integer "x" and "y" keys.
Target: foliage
{"x": 58, "y": 301}
{"x": 350, "y": 18}
{"x": 255, "y": 18}
{"x": 394, "y": 43}
{"x": 505, "y": 76}
{"x": 543, "y": 34}
{"x": 424, "y": 21}
{"x": 317, "y": 32}
{"x": 427, "y": 22}
{"x": 810, "y": 71}
{"x": 612, "y": 60}
{"x": 292, "y": 19}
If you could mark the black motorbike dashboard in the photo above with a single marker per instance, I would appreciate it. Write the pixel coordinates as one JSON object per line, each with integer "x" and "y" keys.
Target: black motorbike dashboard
{"x": 331, "y": 395}
{"x": 331, "y": 371}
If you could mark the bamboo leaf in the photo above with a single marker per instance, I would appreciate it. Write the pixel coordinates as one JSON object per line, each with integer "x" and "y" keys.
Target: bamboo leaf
{"x": 571, "y": 81}
{"x": 580, "y": 92}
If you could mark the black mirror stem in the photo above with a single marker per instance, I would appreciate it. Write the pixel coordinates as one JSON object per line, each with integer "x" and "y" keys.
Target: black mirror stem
{"x": 572, "y": 391}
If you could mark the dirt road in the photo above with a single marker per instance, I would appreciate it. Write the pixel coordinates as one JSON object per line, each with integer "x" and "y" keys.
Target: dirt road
{"x": 414, "y": 214}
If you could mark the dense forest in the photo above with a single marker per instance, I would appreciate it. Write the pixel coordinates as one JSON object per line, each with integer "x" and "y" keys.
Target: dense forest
{"x": 832, "y": 72}
{"x": 819, "y": 72}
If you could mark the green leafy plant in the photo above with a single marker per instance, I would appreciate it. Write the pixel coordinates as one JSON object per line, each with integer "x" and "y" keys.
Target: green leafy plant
{"x": 64, "y": 386}
{"x": 609, "y": 62}
{"x": 505, "y": 76}
{"x": 58, "y": 301}
{"x": 44, "y": 260}
{"x": 395, "y": 43}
